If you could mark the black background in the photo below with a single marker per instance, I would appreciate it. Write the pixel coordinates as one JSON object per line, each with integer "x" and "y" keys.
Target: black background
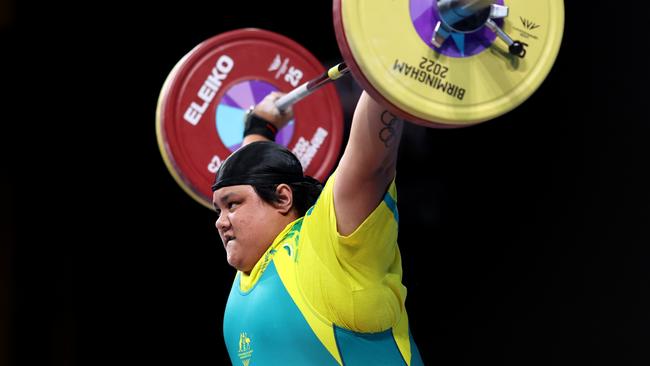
{"x": 523, "y": 239}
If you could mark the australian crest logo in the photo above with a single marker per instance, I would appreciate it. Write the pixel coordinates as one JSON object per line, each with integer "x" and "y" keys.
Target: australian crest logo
{"x": 245, "y": 350}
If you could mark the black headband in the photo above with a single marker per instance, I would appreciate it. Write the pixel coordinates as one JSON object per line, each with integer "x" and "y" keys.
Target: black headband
{"x": 255, "y": 179}
{"x": 262, "y": 162}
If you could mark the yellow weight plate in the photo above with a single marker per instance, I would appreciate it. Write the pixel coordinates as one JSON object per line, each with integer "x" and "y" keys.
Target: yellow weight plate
{"x": 470, "y": 78}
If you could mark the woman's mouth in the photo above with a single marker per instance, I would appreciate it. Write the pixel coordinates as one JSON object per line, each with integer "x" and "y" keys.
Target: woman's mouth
{"x": 227, "y": 239}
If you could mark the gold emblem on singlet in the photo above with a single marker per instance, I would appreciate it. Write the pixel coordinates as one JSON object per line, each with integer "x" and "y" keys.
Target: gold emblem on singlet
{"x": 245, "y": 350}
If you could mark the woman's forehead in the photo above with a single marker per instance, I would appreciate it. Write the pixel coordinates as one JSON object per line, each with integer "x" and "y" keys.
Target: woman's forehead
{"x": 231, "y": 191}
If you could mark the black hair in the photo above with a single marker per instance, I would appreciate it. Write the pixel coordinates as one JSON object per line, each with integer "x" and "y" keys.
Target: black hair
{"x": 305, "y": 194}
{"x": 264, "y": 165}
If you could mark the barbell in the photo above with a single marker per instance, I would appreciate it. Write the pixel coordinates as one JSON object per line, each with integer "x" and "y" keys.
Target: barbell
{"x": 437, "y": 63}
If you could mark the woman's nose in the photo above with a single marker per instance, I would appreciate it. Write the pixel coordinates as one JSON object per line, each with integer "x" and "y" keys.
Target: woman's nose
{"x": 221, "y": 223}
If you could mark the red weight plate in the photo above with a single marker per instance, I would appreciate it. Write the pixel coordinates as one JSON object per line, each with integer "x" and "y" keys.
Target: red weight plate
{"x": 203, "y": 101}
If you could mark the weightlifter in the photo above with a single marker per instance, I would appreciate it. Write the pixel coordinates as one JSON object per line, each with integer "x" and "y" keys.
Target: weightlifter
{"x": 319, "y": 273}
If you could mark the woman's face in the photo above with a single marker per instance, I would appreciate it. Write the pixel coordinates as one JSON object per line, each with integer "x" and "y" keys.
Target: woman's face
{"x": 244, "y": 224}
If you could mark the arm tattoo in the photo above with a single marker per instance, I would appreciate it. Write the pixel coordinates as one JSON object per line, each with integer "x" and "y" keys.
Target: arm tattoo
{"x": 387, "y": 134}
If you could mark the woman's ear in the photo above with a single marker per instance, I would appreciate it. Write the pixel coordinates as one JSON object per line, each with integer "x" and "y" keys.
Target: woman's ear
{"x": 285, "y": 198}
